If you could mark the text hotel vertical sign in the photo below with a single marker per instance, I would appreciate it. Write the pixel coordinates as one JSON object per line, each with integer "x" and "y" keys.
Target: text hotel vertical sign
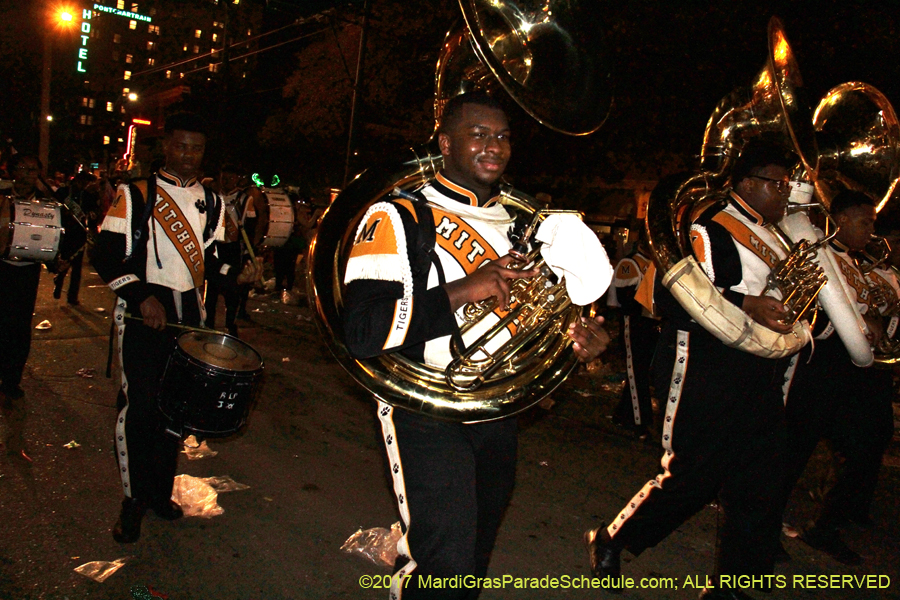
{"x": 86, "y": 15}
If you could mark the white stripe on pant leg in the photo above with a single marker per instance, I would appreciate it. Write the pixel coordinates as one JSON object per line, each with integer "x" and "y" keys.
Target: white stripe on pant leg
{"x": 385, "y": 415}
{"x": 629, "y": 368}
{"x": 789, "y": 378}
{"x": 676, "y": 386}
{"x": 121, "y": 440}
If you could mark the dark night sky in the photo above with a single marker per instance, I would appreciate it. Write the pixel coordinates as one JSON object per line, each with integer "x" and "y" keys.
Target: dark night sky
{"x": 673, "y": 62}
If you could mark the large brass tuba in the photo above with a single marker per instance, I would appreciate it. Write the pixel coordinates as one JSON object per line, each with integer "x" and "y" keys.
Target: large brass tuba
{"x": 544, "y": 54}
{"x": 773, "y": 105}
{"x": 859, "y": 139}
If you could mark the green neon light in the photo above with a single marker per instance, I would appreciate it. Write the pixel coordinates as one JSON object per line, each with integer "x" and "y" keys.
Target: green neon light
{"x": 275, "y": 181}
{"x": 258, "y": 180}
{"x": 122, "y": 13}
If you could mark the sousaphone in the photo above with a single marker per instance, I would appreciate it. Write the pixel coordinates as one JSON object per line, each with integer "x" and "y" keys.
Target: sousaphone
{"x": 544, "y": 53}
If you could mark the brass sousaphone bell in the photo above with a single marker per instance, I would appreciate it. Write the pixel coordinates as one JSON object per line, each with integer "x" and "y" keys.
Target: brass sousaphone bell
{"x": 544, "y": 53}
{"x": 859, "y": 140}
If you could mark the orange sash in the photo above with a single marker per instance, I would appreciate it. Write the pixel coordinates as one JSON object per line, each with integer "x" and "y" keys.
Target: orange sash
{"x": 747, "y": 238}
{"x": 178, "y": 230}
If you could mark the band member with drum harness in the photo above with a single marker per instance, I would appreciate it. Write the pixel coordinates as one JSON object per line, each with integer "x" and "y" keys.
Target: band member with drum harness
{"x": 19, "y": 284}
{"x": 151, "y": 254}
{"x": 224, "y": 258}
{"x": 831, "y": 398}
{"x": 452, "y": 480}
{"x": 82, "y": 201}
{"x": 724, "y": 417}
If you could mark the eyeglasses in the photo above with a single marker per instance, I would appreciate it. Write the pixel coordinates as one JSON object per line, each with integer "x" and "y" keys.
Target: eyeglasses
{"x": 782, "y": 185}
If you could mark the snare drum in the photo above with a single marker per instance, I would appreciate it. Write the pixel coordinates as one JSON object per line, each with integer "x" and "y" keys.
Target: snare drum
{"x": 209, "y": 384}
{"x": 32, "y": 230}
{"x": 281, "y": 218}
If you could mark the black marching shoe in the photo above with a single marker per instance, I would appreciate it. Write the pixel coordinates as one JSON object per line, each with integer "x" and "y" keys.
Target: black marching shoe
{"x": 168, "y": 510}
{"x": 127, "y": 529}
{"x": 829, "y": 541}
{"x": 723, "y": 594}
{"x": 605, "y": 559}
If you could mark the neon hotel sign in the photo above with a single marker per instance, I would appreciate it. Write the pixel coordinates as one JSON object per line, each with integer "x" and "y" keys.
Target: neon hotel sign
{"x": 86, "y": 17}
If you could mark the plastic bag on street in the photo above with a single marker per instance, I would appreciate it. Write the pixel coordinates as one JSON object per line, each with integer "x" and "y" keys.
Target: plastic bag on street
{"x": 378, "y": 544}
{"x": 224, "y": 483}
{"x": 196, "y": 497}
{"x": 100, "y": 570}
{"x": 197, "y": 451}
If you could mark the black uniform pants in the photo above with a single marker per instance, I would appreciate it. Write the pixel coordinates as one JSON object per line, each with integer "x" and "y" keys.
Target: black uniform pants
{"x": 225, "y": 285}
{"x": 147, "y": 455}
{"x": 723, "y": 436}
{"x": 75, "y": 266}
{"x": 830, "y": 398}
{"x": 18, "y": 294}
{"x": 453, "y": 483}
{"x": 640, "y": 335}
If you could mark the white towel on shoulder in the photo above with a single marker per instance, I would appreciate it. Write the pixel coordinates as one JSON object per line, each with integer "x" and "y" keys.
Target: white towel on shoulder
{"x": 572, "y": 251}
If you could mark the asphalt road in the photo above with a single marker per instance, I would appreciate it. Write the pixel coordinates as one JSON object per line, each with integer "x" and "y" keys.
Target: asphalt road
{"x": 312, "y": 458}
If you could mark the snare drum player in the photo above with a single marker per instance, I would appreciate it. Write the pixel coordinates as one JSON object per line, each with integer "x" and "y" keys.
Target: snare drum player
{"x": 152, "y": 256}
{"x": 452, "y": 480}
{"x": 18, "y": 293}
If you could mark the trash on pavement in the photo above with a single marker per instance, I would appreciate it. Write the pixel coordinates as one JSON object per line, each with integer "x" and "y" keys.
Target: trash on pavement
{"x": 72, "y": 444}
{"x": 100, "y": 570}
{"x": 378, "y": 544}
{"x": 197, "y": 451}
{"x": 86, "y": 372}
{"x": 224, "y": 483}
{"x": 196, "y": 497}
{"x": 45, "y": 324}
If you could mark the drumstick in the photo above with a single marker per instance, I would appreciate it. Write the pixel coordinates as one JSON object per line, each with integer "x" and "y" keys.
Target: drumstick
{"x": 178, "y": 325}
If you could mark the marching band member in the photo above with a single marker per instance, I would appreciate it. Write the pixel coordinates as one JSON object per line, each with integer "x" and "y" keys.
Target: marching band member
{"x": 151, "y": 254}
{"x": 723, "y": 427}
{"x": 640, "y": 332}
{"x": 19, "y": 284}
{"x": 224, "y": 258}
{"x": 832, "y": 398}
{"x": 452, "y": 480}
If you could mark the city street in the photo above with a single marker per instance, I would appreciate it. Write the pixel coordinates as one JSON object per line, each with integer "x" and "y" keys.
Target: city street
{"x": 312, "y": 458}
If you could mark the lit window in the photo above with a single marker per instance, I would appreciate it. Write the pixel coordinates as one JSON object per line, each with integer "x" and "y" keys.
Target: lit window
{"x": 198, "y": 33}
{"x": 84, "y": 101}
{"x": 249, "y": 32}
{"x": 129, "y": 58}
{"x": 127, "y": 75}
{"x": 105, "y": 140}
{"x": 134, "y": 7}
{"x": 132, "y": 24}
{"x": 213, "y": 67}
{"x": 117, "y": 38}
{"x": 153, "y": 29}
{"x": 83, "y": 119}
{"x": 109, "y": 107}
{"x": 150, "y": 45}
{"x": 185, "y": 48}
{"x": 168, "y": 74}
{"x": 125, "y": 91}
{"x": 216, "y": 24}
{"x": 196, "y": 49}
{"x": 121, "y": 140}
{"x": 181, "y": 75}
{"x": 120, "y": 4}
{"x": 151, "y": 62}
{"x": 90, "y": 120}
{"x": 91, "y": 103}
{"x": 215, "y": 37}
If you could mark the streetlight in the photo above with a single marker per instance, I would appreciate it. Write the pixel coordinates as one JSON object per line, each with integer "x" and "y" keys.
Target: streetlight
{"x": 62, "y": 18}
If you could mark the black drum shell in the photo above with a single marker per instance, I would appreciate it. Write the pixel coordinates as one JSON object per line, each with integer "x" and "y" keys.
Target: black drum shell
{"x": 207, "y": 401}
